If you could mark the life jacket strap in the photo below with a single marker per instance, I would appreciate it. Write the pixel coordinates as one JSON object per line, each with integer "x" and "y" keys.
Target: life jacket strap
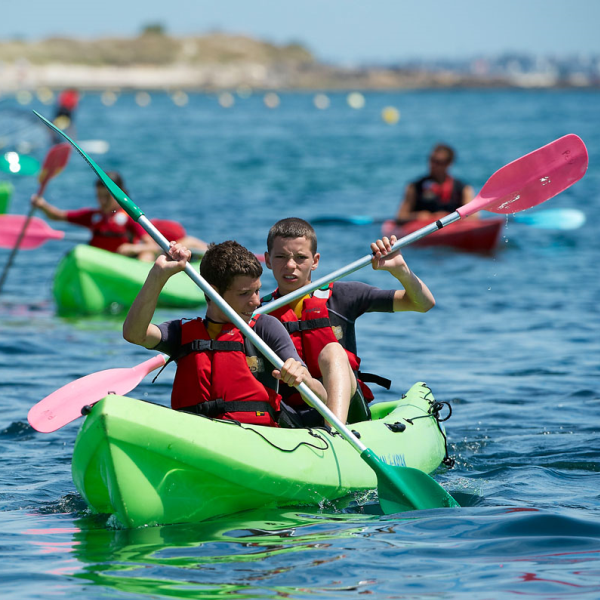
{"x": 299, "y": 326}
{"x": 205, "y": 345}
{"x": 376, "y": 379}
{"x": 214, "y": 408}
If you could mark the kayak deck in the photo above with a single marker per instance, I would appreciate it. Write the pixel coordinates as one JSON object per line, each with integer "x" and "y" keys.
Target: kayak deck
{"x": 149, "y": 464}
{"x": 91, "y": 281}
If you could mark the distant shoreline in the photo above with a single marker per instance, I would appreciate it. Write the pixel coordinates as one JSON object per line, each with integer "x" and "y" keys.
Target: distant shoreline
{"x": 213, "y": 78}
{"x": 219, "y": 62}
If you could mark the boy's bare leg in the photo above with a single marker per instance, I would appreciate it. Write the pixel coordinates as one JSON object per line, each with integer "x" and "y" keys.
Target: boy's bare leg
{"x": 338, "y": 379}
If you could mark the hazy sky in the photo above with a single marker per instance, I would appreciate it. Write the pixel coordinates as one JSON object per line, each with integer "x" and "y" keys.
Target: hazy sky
{"x": 342, "y": 31}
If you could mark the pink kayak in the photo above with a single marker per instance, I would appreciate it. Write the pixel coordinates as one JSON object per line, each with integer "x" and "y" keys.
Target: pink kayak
{"x": 471, "y": 235}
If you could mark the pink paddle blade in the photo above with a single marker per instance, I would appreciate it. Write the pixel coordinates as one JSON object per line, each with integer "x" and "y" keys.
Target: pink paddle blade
{"x": 533, "y": 178}
{"x": 55, "y": 161}
{"x": 64, "y": 405}
{"x": 38, "y": 232}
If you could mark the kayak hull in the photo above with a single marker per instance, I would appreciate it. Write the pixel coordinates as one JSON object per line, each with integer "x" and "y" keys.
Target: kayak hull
{"x": 148, "y": 464}
{"x": 470, "y": 235}
{"x": 92, "y": 281}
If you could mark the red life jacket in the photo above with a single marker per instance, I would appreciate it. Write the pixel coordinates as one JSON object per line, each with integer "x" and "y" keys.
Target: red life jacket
{"x": 109, "y": 231}
{"x": 311, "y": 333}
{"x": 215, "y": 377}
{"x": 172, "y": 230}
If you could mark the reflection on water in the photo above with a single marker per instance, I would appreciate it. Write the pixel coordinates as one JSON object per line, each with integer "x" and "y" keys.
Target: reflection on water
{"x": 225, "y": 557}
{"x": 293, "y": 553}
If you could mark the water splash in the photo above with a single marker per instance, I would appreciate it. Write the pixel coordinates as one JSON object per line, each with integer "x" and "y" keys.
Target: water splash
{"x": 509, "y": 202}
{"x": 545, "y": 180}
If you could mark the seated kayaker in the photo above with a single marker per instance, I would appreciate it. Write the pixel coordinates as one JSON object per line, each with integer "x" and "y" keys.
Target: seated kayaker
{"x": 437, "y": 193}
{"x": 174, "y": 232}
{"x": 219, "y": 374}
{"x": 112, "y": 228}
{"x": 321, "y": 324}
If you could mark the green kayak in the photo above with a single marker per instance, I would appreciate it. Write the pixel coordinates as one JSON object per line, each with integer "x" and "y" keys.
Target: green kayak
{"x": 148, "y": 464}
{"x": 91, "y": 281}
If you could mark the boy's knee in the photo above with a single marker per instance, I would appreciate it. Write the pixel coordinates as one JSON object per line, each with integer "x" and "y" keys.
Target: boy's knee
{"x": 333, "y": 354}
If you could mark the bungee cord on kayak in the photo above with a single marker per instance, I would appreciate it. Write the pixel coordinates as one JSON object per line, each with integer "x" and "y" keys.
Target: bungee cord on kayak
{"x": 309, "y": 430}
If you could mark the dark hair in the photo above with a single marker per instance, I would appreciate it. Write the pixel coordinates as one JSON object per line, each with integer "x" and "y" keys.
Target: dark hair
{"x": 116, "y": 177}
{"x": 290, "y": 228}
{"x": 223, "y": 262}
{"x": 447, "y": 149}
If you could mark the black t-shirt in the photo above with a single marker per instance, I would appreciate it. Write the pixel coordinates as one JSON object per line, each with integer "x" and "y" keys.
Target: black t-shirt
{"x": 427, "y": 199}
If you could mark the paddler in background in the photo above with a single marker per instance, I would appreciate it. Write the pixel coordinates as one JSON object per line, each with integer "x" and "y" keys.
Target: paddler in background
{"x": 220, "y": 374}
{"x": 321, "y": 324}
{"x": 436, "y": 194}
{"x": 112, "y": 229}
{"x": 65, "y": 112}
{"x": 173, "y": 231}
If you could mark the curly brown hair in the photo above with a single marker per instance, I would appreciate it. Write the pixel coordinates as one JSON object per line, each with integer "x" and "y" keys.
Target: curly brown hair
{"x": 290, "y": 228}
{"x": 223, "y": 262}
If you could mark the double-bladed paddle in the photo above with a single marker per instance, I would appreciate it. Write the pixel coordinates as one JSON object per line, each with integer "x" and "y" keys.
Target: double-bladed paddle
{"x": 519, "y": 185}
{"x": 562, "y": 219}
{"x": 19, "y": 164}
{"x": 55, "y": 161}
{"x": 399, "y": 488}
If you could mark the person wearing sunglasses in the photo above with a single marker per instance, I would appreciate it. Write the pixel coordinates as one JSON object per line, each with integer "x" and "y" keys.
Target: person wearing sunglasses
{"x": 436, "y": 194}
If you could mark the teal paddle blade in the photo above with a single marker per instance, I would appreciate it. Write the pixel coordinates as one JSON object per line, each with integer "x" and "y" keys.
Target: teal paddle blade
{"x": 404, "y": 488}
{"x": 19, "y": 164}
{"x": 553, "y": 218}
{"x": 418, "y": 489}
{"x": 344, "y": 220}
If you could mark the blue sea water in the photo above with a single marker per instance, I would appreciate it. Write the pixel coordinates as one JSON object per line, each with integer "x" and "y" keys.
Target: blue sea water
{"x": 513, "y": 345}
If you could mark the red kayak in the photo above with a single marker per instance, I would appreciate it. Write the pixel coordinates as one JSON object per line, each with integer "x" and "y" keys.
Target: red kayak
{"x": 471, "y": 235}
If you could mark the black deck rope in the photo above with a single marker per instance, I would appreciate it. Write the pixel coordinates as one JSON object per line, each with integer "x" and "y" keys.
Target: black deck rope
{"x": 246, "y": 428}
{"x": 309, "y": 430}
{"x": 434, "y": 411}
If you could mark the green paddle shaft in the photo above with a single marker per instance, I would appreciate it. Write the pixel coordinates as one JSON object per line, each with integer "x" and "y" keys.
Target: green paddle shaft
{"x": 388, "y": 477}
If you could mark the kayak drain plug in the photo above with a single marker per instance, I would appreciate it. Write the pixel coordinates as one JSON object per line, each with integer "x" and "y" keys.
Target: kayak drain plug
{"x": 396, "y": 427}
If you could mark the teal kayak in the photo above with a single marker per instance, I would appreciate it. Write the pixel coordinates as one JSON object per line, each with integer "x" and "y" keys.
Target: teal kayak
{"x": 92, "y": 281}
{"x": 148, "y": 464}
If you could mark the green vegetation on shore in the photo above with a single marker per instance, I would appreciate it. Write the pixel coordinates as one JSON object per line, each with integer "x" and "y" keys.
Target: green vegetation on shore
{"x": 154, "y": 48}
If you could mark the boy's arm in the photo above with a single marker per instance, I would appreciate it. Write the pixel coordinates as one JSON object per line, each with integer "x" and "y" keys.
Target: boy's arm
{"x": 415, "y": 296}
{"x": 52, "y": 212}
{"x": 137, "y": 327}
{"x": 293, "y": 373}
{"x": 405, "y": 210}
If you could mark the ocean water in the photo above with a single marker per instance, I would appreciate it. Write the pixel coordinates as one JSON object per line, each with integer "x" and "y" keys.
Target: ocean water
{"x": 513, "y": 345}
